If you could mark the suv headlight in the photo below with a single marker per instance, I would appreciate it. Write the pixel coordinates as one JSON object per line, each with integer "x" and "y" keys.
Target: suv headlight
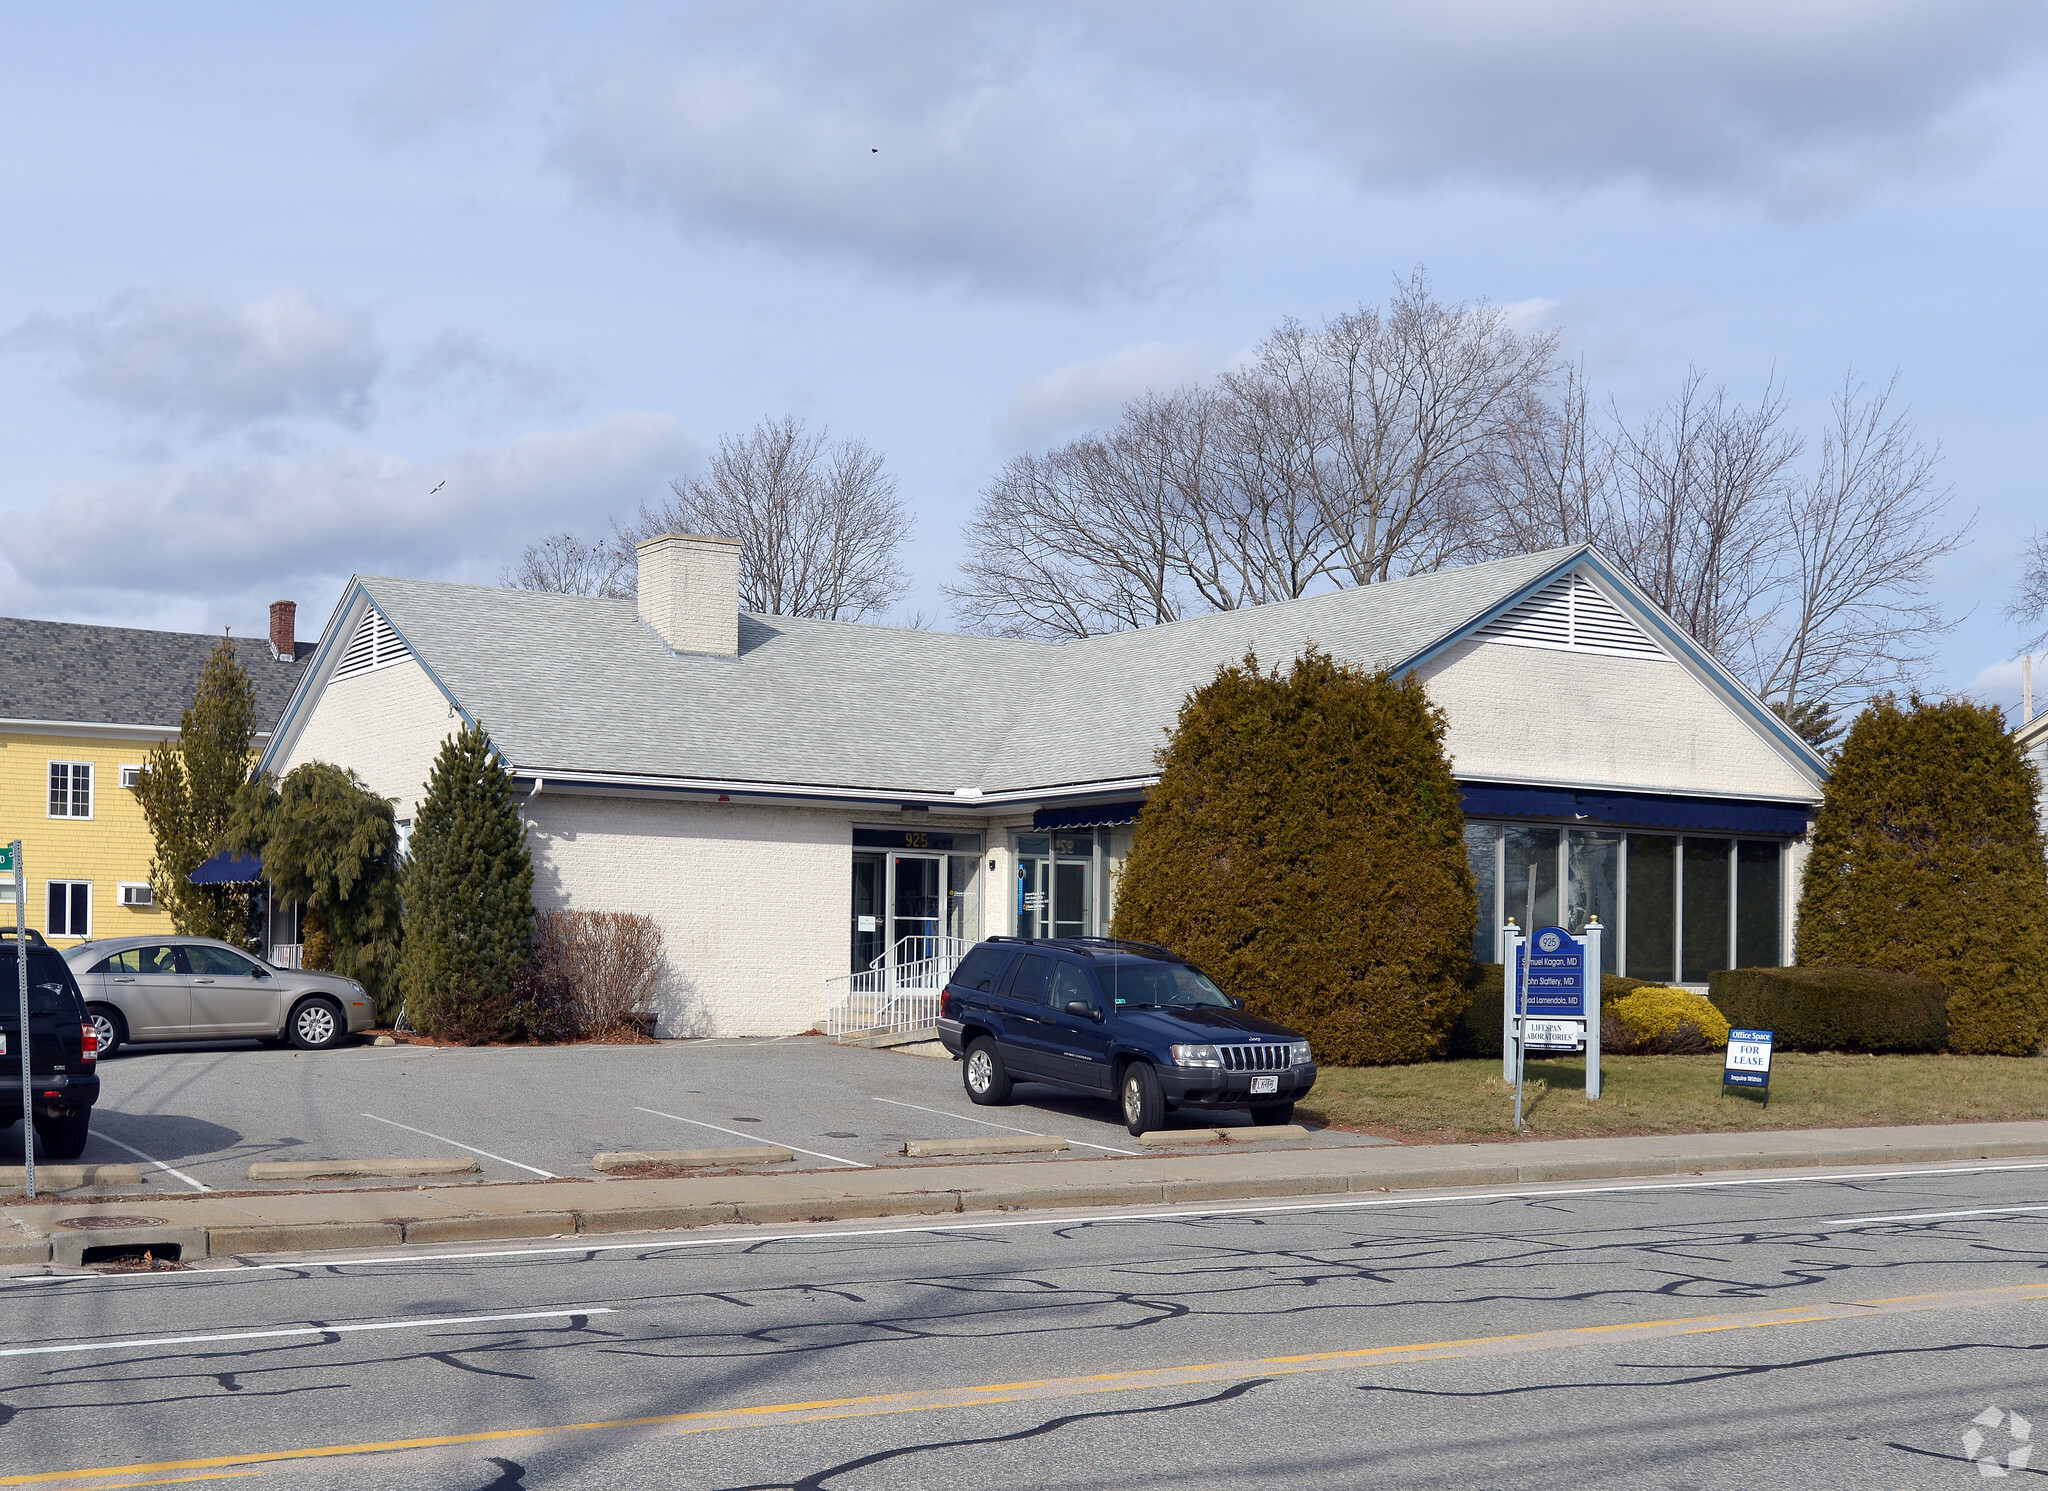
{"x": 1298, "y": 1053}
{"x": 1196, "y": 1056}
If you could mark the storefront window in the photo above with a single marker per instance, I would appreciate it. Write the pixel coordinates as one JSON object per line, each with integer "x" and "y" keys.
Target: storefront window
{"x": 1529, "y": 876}
{"x": 1593, "y": 882}
{"x": 1759, "y": 905}
{"x": 1649, "y": 937}
{"x": 1707, "y": 905}
{"x": 1116, "y": 848}
{"x": 1482, "y": 848}
{"x": 963, "y": 897}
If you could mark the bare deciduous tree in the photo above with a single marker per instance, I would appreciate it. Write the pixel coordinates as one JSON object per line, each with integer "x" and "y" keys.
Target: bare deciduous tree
{"x": 564, "y": 564}
{"x": 1341, "y": 455}
{"x": 1849, "y": 612}
{"x": 2030, "y": 605}
{"x": 820, "y": 526}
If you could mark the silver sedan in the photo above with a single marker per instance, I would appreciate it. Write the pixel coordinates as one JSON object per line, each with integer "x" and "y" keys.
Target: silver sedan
{"x": 146, "y": 989}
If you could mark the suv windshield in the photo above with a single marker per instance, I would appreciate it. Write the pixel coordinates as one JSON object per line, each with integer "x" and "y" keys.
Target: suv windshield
{"x": 1133, "y": 983}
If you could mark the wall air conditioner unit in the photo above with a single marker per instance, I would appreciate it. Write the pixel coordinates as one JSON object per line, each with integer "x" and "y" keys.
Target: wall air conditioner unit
{"x": 131, "y": 776}
{"x": 133, "y": 894}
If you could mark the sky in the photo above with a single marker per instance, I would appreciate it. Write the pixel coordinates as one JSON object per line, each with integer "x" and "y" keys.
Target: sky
{"x": 294, "y": 292}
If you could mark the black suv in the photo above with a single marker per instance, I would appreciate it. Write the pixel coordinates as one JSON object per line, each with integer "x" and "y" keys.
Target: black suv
{"x": 64, "y": 1079}
{"x": 1123, "y": 1020}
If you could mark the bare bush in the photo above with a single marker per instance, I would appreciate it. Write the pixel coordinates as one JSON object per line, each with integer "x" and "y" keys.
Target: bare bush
{"x": 563, "y": 564}
{"x": 611, "y": 962}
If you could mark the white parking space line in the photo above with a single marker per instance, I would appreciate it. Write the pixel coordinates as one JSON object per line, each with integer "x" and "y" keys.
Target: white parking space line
{"x": 442, "y": 1139}
{"x": 195, "y": 1185}
{"x": 757, "y": 1138}
{"x": 941, "y": 1112}
{"x": 1932, "y": 1216}
{"x": 299, "y": 1330}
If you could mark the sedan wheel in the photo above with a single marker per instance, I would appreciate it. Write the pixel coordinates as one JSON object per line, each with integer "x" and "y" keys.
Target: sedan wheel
{"x": 317, "y": 1024}
{"x": 107, "y": 1025}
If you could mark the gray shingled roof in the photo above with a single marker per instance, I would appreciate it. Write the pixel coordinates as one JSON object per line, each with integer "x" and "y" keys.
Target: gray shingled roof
{"x": 572, "y": 683}
{"x": 118, "y": 675}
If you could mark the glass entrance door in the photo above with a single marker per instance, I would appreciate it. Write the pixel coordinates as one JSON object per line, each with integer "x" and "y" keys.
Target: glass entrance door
{"x": 917, "y": 905}
{"x": 870, "y": 885}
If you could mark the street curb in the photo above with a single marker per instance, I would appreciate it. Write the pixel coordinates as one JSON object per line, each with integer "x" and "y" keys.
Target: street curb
{"x": 666, "y": 1205}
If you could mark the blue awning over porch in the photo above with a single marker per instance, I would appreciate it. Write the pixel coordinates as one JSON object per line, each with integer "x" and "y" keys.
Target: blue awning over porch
{"x": 1634, "y": 809}
{"x": 226, "y": 868}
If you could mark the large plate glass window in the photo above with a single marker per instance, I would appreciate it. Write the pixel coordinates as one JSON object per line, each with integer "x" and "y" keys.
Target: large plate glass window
{"x": 1592, "y": 882}
{"x": 1529, "y": 875}
{"x": 1482, "y": 848}
{"x": 1759, "y": 904}
{"x": 1707, "y": 901}
{"x": 1650, "y": 933}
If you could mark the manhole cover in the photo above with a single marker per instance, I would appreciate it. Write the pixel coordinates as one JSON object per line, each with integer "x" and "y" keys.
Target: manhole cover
{"x": 89, "y": 1224}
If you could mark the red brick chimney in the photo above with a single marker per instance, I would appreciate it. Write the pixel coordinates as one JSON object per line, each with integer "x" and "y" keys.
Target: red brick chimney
{"x": 284, "y": 616}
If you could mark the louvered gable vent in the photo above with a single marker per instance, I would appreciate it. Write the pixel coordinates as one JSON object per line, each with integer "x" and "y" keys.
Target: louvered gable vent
{"x": 374, "y": 645}
{"x": 1571, "y": 615}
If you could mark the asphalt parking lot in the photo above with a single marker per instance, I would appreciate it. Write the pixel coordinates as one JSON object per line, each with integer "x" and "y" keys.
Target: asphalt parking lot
{"x": 198, "y": 1116}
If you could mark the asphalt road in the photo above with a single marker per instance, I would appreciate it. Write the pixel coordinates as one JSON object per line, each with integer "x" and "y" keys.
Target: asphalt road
{"x": 1824, "y": 1333}
{"x": 207, "y": 1113}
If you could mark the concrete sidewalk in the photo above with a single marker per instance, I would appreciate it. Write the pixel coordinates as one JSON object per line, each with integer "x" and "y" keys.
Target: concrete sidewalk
{"x": 206, "y": 1225}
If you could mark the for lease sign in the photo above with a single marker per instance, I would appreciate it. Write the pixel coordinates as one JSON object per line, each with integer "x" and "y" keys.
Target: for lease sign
{"x": 1749, "y": 1059}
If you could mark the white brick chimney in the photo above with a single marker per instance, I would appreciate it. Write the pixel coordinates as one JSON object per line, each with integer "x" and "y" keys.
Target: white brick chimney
{"x": 690, "y": 591}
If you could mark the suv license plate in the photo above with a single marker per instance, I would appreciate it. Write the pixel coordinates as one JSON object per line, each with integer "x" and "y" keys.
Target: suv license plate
{"x": 1265, "y": 1084}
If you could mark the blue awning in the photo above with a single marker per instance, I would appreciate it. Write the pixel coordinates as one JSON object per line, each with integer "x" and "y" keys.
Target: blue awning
{"x": 1634, "y": 809}
{"x": 228, "y": 869}
{"x": 1101, "y": 815}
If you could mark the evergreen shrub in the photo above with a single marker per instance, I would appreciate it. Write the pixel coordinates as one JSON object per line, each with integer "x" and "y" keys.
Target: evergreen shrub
{"x": 1305, "y": 845}
{"x": 1927, "y": 859}
{"x": 468, "y": 894}
{"x": 1658, "y": 1020}
{"x": 1835, "y": 1009}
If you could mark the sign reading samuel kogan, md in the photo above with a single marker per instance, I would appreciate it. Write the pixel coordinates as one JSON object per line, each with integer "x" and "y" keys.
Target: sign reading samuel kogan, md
{"x": 1554, "y": 990}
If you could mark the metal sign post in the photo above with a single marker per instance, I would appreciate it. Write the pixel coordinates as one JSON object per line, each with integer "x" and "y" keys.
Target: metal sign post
{"x": 28, "y": 1111}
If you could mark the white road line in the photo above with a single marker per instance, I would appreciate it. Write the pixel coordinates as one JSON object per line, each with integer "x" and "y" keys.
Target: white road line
{"x": 1932, "y": 1216}
{"x": 297, "y": 1330}
{"x": 441, "y": 1139}
{"x": 829, "y": 1234}
{"x": 758, "y": 1139}
{"x": 1109, "y": 1149}
{"x": 195, "y": 1185}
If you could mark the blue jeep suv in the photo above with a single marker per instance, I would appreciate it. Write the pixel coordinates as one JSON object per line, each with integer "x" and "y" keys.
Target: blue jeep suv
{"x": 1122, "y": 1020}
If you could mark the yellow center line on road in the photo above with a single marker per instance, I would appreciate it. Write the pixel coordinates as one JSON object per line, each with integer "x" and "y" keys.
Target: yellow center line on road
{"x": 819, "y": 1409}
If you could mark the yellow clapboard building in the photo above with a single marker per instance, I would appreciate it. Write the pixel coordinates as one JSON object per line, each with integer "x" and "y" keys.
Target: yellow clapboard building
{"x": 80, "y": 708}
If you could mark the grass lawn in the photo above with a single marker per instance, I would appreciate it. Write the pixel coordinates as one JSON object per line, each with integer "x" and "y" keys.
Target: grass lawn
{"x": 1450, "y": 1102}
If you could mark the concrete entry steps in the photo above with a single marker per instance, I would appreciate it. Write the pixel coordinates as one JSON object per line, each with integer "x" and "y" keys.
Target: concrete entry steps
{"x": 291, "y": 1224}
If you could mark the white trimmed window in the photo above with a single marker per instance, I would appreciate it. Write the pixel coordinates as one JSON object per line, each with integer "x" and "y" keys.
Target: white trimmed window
{"x": 70, "y": 909}
{"x": 70, "y": 789}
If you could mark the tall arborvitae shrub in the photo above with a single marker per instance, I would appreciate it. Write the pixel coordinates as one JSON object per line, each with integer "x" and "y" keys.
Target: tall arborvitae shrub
{"x": 1927, "y": 859}
{"x": 468, "y": 893}
{"x": 1305, "y": 845}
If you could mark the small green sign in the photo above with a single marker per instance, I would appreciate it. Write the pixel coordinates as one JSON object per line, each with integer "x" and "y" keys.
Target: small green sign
{"x": 7, "y": 858}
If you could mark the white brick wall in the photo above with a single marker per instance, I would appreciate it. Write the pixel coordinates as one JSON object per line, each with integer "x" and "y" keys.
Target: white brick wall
{"x": 1530, "y": 715}
{"x": 385, "y": 725}
{"x": 755, "y": 903}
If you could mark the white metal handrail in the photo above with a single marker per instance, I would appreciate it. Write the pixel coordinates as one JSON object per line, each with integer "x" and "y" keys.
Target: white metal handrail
{"x": 899, "y": 992}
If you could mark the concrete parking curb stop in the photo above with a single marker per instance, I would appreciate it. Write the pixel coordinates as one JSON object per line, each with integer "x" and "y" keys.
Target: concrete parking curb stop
{"x": 934, "y": 1149}
{"x": 305, "y": 1222}
{"x": 354, "y": 1169}
{"x": 736, "y": 1154}
{"x": 64, "y": 1177}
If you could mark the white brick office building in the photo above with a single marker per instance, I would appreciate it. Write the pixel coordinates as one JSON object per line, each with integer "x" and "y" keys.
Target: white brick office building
{"x": 790, "y": 798}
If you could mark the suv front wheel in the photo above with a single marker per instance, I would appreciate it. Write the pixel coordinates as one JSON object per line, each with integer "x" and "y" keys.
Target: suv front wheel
{"x": 1144, "y": 1102}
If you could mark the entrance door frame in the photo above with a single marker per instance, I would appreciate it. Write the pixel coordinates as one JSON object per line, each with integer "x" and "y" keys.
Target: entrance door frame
{"x": 890, "y": 937}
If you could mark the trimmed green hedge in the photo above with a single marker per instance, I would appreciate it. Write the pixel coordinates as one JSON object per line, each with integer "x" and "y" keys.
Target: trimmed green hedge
{"x": 1477, "y": 1032}
{"x": 1834, "y": 1009}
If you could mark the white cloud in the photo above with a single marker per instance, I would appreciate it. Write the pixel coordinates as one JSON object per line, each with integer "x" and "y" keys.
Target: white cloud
{"x": 1083, "y": 395}
{"x": 219, "y": 541}
{"x": 1068, "y": 147}
{"x": 921, "y": 140}
{"x": 465, "y": 366}
{"x": 1999, "y": 683}
{"x": 185, "y": 356}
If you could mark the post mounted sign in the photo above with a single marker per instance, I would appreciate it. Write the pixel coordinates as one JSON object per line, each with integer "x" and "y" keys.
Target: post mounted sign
{"x": 1554, "y": 990}
{"x": 1749, "y": 1062}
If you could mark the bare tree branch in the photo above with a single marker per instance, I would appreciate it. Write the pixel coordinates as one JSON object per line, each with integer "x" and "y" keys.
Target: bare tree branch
{"x": 2030, "y": 605}
{"x": 1862, "y": 534}
{"x": 819, "y": 523}
{"x": 564, "y": 564}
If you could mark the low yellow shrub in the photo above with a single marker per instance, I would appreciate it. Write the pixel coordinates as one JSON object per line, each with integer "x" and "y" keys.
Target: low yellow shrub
{"x": 1658, "y": 1018}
